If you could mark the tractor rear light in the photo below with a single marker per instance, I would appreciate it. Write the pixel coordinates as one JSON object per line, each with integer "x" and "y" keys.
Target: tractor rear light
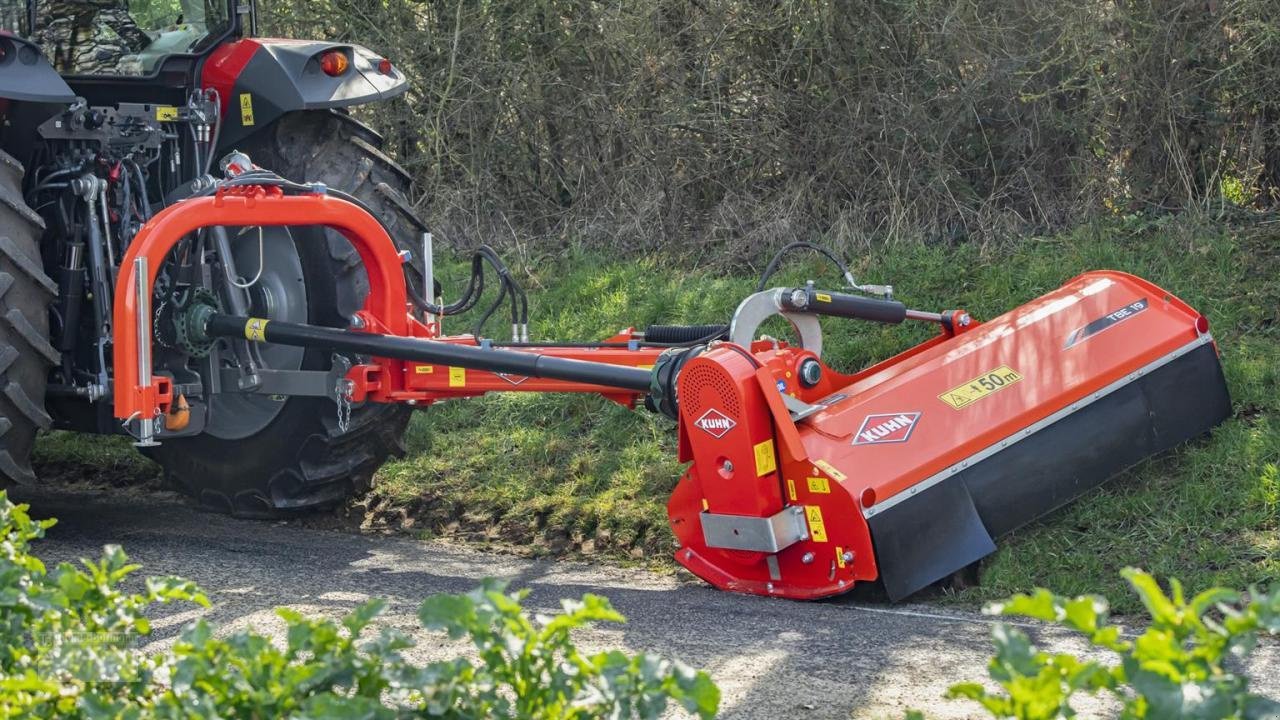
{"x": 1202, "y": 325}
{"x": 384, "y": 66}
{"x": 334, "y": 63}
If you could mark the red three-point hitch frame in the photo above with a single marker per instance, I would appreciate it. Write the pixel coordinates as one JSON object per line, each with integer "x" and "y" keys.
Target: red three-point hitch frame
{"x": 140, "y": 395}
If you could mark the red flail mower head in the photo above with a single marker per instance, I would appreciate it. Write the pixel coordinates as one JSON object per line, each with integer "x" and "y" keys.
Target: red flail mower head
{"x": 805, "y": 481}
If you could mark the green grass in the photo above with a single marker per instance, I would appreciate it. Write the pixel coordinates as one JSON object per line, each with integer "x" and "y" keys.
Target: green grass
{"x": 550, "y": 472}
{"x": 559, "y": 474}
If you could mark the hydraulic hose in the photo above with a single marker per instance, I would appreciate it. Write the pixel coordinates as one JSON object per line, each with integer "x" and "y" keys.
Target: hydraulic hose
{"x": 680, "y": 334}
{"x": 510, "y": 289}
{"x": 772, "y": 267}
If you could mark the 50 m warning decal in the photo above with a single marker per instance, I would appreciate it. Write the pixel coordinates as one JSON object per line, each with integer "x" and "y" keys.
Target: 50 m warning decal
{"x": 962, "y": 396}
{"x": 1106, "y": 322}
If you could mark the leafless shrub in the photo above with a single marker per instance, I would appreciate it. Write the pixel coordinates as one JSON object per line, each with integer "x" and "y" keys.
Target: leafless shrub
{"x": 735, "y": 124}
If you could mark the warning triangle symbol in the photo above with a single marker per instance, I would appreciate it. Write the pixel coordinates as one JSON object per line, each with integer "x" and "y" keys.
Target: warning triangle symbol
{"x": 959, "y": 400}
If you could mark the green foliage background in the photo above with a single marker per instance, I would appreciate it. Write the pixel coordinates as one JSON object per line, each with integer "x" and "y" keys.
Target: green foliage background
{"x": 728, "y": 124}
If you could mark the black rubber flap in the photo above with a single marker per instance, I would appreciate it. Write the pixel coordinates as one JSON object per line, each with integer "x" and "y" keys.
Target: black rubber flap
{"x": 932, "y": 534}
{"x": 928, "y": 537}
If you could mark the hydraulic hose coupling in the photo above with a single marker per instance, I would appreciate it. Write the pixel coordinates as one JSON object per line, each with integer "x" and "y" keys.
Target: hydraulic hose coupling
{"x": 236, "y": 163}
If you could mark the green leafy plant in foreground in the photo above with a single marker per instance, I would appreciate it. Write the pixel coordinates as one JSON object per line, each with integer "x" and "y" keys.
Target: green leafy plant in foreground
{"x": 68, "y": 649}
{"x": 65, "y": 635}
{"x": 1180, "y": 666}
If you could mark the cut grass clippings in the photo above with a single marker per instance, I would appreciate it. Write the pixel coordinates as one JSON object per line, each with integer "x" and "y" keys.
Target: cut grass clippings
{"x": 566, "y": 473}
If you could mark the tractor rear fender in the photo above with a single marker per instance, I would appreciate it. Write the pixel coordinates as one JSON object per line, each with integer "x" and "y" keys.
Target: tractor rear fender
{"x": 26, "y": 76}
{"x": 261, "y": 79}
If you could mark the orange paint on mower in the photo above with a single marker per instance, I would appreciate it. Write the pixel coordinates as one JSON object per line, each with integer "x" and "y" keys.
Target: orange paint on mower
{"x": 802, "y": 481}
{"x": 908, "y": 470}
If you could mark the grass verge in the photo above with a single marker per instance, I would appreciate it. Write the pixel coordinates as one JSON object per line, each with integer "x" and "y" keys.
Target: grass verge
{"x": 556, "y": 474}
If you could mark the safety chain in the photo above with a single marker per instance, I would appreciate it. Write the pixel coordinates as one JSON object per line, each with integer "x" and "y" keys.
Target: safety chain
{"x": 342, "y": 395}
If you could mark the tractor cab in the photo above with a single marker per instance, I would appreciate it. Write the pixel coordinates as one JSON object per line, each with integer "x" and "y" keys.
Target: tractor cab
{"x": 122, "y": 38}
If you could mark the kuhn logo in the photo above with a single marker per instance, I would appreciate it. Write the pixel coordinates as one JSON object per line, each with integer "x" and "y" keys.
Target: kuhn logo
{"x": 715, "y": 423}
{"x": 890, "y": 428}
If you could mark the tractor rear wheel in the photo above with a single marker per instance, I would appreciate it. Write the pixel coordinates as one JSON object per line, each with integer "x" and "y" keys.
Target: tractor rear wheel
{"x": 25, "y": 352}
{"x": 263, "y": 457}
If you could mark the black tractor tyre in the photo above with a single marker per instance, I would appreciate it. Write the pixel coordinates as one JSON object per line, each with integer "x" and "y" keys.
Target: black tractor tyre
{"x": 25, "y": 352}
{"x": 302, "y": 460}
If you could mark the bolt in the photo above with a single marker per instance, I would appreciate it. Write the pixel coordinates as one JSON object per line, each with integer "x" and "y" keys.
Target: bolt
{"x": 728, "y": 466}
{"x": 769, "y": 587}
{"x": 688, "y": 554}
{"x": 411, "y": 402}
{"x": 807, "y": 558}
{"x": 965, "y": 320}
{"x": 847, "y": 556}
{"x": 839, "y": 583}
{"x": 357, "y": 321}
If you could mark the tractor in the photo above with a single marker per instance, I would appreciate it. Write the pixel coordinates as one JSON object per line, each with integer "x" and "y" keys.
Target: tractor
{"x": 113, "y": 110}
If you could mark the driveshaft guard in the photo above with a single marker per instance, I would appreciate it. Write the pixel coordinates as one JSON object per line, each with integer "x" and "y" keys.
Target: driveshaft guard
{"x": 931, "y": 455}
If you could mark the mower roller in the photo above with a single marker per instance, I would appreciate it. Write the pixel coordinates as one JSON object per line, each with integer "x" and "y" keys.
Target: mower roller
{"x": 801, "y": 481}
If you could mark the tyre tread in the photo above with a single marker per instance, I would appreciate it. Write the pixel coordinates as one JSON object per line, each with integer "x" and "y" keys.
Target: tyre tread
{"x": 25, "y": 352}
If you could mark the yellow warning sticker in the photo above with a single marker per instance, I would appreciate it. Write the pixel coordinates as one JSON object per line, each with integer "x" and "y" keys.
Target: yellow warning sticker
{"x": 822, "y": 297}
{"x": 246, "y": 109}
{"x": 819, "y": 485}
{"x": 962, "y": 396}
{"x": 817, "y": 530}
{"x": 166, "y": 113}
{"x": 457, "y": 377}
{"x": 424, "y": 369}
{"x": 765, "y": 462}
{"x": 791, "y": 489}
{"x": 255, "y": 330}
{"x": 831, "y": 470}
{"x": 839, "y": 557}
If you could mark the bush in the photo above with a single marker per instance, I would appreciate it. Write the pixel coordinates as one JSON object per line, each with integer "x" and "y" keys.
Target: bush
{"x": 736, "y": 124}
{"x": 68, "y": 651}
{"x": 1178, "y": 667}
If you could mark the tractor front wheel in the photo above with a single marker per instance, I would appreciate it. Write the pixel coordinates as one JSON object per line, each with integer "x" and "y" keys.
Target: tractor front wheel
{"x": 261, "y": 456}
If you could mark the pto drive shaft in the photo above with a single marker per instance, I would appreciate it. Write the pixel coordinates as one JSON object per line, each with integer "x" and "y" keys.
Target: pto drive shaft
{"x": 429, "y": 351}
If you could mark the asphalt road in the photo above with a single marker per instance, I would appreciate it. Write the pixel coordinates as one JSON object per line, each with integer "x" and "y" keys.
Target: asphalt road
{"x": 771, "y": 658}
